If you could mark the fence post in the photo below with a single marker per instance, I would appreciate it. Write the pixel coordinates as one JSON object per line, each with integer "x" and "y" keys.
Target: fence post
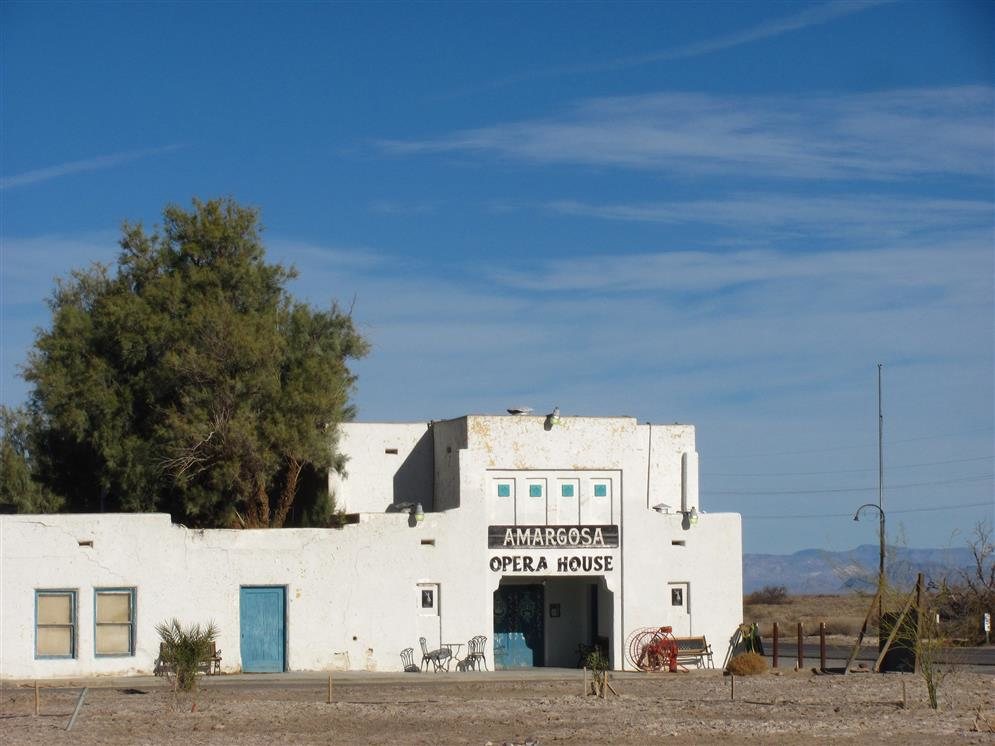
{"x": 801, "y": 652}
{"x": 822, "y": 646}
{"x": 775, "y": 644}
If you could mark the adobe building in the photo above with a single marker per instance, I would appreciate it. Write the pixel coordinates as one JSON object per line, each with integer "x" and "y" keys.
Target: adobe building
{"x": 543, "y": 534}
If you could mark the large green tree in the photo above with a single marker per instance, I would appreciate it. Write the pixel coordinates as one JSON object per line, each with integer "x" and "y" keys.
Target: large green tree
{"x": 187, "y": 379}
{"x": 20, "y": 492}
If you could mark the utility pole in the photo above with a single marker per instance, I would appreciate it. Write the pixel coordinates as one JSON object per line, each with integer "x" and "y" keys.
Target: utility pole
{"x": 881, "y": 537}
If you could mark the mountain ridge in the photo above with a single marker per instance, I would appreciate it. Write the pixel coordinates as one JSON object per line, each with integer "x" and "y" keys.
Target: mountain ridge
{"x": 818, "y": 571}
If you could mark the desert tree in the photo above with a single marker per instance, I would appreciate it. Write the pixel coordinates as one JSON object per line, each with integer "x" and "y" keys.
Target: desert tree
{"x": 187, "y": 379}
{"x": 20, "y": 491}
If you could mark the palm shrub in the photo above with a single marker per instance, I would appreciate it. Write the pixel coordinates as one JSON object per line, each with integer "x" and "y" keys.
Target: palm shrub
{"x": 185, "y": 650}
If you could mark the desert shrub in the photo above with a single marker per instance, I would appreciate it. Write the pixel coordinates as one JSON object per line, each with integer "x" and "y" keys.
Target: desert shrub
{"x": 598, "y": 663}
{"x": 747, "y": 664}
{"x": 185, "y": 650}
{"x": 963, "y": 597}
{"x": 769, "y": 594}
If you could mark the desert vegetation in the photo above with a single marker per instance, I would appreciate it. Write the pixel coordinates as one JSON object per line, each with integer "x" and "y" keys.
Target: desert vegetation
{"x": 843, "y": 615}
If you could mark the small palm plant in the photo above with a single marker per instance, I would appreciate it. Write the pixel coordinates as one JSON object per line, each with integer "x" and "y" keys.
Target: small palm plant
{"x": 185, "y": 650}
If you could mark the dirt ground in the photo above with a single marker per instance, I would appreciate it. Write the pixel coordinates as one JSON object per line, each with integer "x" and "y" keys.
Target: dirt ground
{"x": 695, "y": 707}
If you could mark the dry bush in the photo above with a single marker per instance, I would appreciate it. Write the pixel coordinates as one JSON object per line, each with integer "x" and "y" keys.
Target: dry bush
{"x": 769, "y": 595}
{"x": 747, "y": 664}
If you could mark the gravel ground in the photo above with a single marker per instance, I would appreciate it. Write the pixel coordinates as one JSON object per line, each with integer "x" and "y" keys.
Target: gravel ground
{"x": 695, "y": 707}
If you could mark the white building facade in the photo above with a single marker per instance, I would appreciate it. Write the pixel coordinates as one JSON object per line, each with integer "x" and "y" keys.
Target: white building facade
{"x": 544, "y": 536}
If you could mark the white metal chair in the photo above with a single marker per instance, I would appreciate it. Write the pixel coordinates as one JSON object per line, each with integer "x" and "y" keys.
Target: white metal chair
{"x": 475, "y": 652}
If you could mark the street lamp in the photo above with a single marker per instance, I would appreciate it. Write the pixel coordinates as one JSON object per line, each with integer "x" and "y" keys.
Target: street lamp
{"x": 856, "y": 517}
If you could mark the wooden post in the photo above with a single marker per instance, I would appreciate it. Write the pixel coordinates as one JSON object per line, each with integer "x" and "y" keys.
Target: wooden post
{"x": 863, "y": 630}
{"x": 822, "y": 646}
{"x": 329, "y": 687}
{"x": 904, "y": 702}
{"x": 79, "y": 706}
{"x": 732, "y": 691}
{"x": 801, "y": 652}
{"x": 775, "y": 644}
{"x": 918, "y": 623}
{"x": 585, "y": 681}
{"x": 37, "y": 700}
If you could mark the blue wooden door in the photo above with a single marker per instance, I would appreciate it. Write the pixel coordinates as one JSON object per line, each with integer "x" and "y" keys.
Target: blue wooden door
{"x": 518, "y": 626}
{"x": 261, "y": 615}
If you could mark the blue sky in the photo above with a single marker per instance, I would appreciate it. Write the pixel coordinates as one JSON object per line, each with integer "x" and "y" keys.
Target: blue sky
{"x": 717, "y": 213}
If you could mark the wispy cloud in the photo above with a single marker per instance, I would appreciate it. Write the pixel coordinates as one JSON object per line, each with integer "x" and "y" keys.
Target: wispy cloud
{"x": 394, "y": 207}
{"x": 98, "y": 163}
{"x": 873, "y": 217}
{"x": 31, "y": 264}
{"x": 812, "y": 16}
{"x": 886, "y": 135}
{"x": 899, "y": 274}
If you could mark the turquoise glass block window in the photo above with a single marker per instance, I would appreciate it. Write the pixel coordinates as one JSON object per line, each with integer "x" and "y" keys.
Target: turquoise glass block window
{"x": 504, "y": 490}
{"x": 601, "y": 490}
{"x": 535, "y": 490}
{"x": 567, "y": 490}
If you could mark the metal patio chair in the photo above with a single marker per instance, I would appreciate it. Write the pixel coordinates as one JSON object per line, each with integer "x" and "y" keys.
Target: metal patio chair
{"x": 439, "y": 658}
{"x": 408, "y": 661}
{"x": 475, "y": 652}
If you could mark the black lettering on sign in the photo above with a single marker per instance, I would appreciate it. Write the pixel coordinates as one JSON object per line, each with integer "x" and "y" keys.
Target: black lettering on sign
{"x": 586, "y": 564}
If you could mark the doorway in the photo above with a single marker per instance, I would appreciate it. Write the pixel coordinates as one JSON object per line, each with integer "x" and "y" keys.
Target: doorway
{"x": 518, "y": 626}
{"x": 262, "y": 619}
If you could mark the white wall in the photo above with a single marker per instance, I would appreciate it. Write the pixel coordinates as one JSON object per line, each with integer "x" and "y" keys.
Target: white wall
{"x": 351, "y": 592}
{"x": 387, "y": 463}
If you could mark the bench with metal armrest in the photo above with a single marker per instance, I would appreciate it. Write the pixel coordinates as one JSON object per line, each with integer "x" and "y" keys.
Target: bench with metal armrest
{"x": 694, "y": 648}
{"x": 211, "y": 662}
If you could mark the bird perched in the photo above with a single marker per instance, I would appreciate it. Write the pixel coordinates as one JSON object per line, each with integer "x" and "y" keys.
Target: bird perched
{"x": 554, "y": 416}
{"x": 519, "y": 410}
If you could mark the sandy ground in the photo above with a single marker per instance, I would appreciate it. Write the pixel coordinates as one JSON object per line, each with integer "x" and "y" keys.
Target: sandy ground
{"x": 695, "y": 707}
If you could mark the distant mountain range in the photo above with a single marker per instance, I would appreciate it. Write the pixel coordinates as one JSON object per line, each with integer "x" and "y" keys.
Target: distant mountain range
{"x": 813, "y": 571}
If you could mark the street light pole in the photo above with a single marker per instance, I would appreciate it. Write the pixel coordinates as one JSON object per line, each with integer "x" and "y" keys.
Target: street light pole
{"x": 856, "y": 517}
{"x": 881, "y": 537}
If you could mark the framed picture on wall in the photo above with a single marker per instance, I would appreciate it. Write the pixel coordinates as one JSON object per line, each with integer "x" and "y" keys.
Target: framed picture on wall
{"x": 676, "y": 596}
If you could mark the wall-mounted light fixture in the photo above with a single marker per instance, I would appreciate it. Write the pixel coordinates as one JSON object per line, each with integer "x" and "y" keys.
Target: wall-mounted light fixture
{"x": 415, "y": 510}
{"x": 662, "y": 508}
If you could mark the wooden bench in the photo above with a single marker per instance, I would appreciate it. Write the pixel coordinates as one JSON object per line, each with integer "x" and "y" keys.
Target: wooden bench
{"x": 211, "y": 664}
{"x": 694, "y": 648}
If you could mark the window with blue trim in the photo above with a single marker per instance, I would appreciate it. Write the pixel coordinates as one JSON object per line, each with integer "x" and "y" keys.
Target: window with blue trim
{"x": 114, "y": 621}
{"x": 601, "y": 490}
{"x": 535, "y": 490}
{"x": 566, "y": 490}
{"x": 504, "y": 489}
{"x": 55, "y": 624}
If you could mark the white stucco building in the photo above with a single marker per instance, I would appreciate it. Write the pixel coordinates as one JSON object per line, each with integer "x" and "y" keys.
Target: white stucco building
{"x": 542, "y": 536}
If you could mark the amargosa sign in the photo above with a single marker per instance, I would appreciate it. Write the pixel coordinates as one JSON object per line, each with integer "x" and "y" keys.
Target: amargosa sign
{"x": 552, "y": 537}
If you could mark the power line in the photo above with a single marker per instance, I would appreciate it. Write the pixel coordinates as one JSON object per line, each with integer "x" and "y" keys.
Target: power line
{"x": 850, "y": 515}
{"x": 859, "y": 446}
{"x": 979, "y": 478}
{"x": 841, "y": 471}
